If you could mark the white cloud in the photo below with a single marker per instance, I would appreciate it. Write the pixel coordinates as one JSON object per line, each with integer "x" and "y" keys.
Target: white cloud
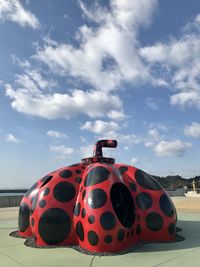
{"x": 51, "y": 106}
{"x": 100, "y": 127}
{"x": 12, "y": 139}
{"x": 107, "y": 52}
{"x": 192, "y": 130}
{"x": 117, "y": 115}
{"x": 171, "y": 148}
{"x": 154, "y": 133}
{"x": 14, "y": 11}
{"x": 56, "y": 134}
{"x": 62, "y": 150}
{"x": 178, "y": 61}
{"x": 152, "y": 103}
{"x": 134, "y": 161}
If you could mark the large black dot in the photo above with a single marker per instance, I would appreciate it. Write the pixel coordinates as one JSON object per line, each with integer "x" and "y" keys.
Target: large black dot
{"x": 147, "y": 181}
{"x": 123, "y": 169}
{"x": 77, "y": 209}
{"x": 123, "y": 204}
{"x": 78, "y": 171}
{"x": 91, "y": 219}
{"x": 64, "y": 192}
{"x": 120, "y": 234}
{"x": 97, "y": 198}
{"x": 171, "y": 228}
{"x": 34, "y": 203}
{"x": 23, "y": 218}
{"x": 66, "y": 174}
{"x": 108, "y": 220}
{"x": 154, "y": 221}
{"x": 166, "y": 205}
{"x": 33, "y": 187}
{"x": 108, "y": 239}
{"x": 54, "y": 226}
{"x": 80, "y": 231}
{"x": 144, "y": 201}
{"x": 96, "y": 175}
{"x": 93, "y": 238}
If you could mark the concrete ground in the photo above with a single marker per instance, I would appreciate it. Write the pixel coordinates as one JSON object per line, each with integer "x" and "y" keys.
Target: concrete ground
{"x": 13, "y": 252}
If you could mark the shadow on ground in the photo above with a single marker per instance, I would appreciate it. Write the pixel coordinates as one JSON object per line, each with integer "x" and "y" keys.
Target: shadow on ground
{"x": 188, "y": 237}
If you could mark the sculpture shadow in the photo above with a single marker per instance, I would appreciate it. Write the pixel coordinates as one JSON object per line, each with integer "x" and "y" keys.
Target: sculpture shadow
{"x": 188, "y": 236}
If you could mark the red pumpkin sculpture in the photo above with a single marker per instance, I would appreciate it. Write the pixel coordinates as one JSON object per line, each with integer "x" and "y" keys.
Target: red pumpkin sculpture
{"x": 97, "y": 204}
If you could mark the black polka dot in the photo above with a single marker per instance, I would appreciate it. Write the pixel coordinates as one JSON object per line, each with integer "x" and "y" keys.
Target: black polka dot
{"x": 78, "y": 180}
{"x": 83, "y": 213}
{"x": 120, "y": 235}
{"x": 66, "y": 174}
{"x": 96, "y": 175}
{"x": 80, "y": 231}
{"x": 83, "y": 194}
{"x": 147, "y": 181}
{"x": 93, "y": 238}
{"x": 91, "y": 219}
{"x": 97, "y": 198}
{"x": 144, "y": 201}
{"x": 34, "y": 203}
{"x": 81, "y": 189}
{"x": 23, "y": 218}
{"x": 108, "y": 239}
{"x": 54, "y": 226}
{"x": 33, "y": 187}
{"x": 154, "y": 221}
{"x": 46, "y": 191}
{"x": 32, "y": 222}
{"x": 123, "y": 169}
{"x": 77, "y": 209}
{"x": 108, "y": 220}
{"x": 78, "y": 171}
{"x": 166, "y": 205}
{"x": 138, "y": 229}
{"x": 132, "y": 232}
{"x": 42, "y": 203}
{"x": 64, "y": 192}
{"x": 132, "y": 187}
{"x": 46, "y": 180}
{"x": 171, "y": 228}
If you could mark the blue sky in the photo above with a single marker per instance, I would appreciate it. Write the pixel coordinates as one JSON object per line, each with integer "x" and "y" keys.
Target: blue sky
{"x": 73, "y": 72}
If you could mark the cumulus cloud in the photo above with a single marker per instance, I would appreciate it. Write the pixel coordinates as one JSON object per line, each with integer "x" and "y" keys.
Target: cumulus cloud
{"x": 107, "y": 53}
{"x": 56, "y": 105}
{"x": 100, "y": 127}
{"x": 56, "y": 134}
{"x": 178, "y": 61}
{"x": 192, "y": 130}
{"x": 62, "y": 150}
{"x": 11, "y": 138}
{"x": 171, "y": 148}
{"x": 14, "y": 11}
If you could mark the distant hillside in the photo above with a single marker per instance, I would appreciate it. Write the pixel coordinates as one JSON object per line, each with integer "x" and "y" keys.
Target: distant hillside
{"x": 173, "y": 182}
